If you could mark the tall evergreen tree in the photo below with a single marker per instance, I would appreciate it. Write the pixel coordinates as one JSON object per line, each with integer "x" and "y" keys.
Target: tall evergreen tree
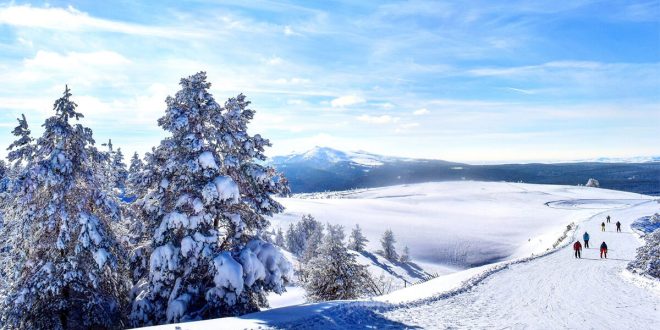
{"x": 357, "y": 241}
{"x": 70, "y": 275}
{"x": 206, "y": 200}
{"x": 119, "y": 169}
{"x": 334, "y": 273}
{"x": 279, "y": 238}
{"x": 136, "y": 164}
{"x": 387, "y": 242}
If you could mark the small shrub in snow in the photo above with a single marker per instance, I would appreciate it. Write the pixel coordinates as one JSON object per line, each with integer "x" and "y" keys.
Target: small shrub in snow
{"x": 592, "y": 183}
{"x": 405, "y": 255}
{"x": 647, "y": 261}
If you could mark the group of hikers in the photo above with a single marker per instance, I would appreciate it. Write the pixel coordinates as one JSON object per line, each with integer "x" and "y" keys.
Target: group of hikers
{"x": 577, "y": 246}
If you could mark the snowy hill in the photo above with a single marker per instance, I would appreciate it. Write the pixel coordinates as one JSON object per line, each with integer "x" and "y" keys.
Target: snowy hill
{"x": 395, "y": 275}
{"x": 326, "y": 169}
{"x": 528, "y": 277}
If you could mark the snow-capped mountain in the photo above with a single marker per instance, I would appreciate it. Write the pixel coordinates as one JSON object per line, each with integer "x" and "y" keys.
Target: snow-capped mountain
{"x": 327, "y": 169}
{"x": 639, "y": 159}
{"x": 323, "y": 157}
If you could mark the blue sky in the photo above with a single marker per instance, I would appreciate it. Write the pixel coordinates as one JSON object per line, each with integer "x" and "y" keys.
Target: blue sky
{"x": 478, "y": 81}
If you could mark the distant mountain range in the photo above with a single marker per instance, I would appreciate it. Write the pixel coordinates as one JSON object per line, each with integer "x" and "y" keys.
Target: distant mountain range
{"x": 327, "y": 169}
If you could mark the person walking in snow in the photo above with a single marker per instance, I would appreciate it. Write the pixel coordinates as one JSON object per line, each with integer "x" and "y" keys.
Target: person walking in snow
{"x": 608, "y": 218}
{"x": 578, "y": 248}
{"x": 603, "y": 250}
{"x": 618, "y": 227}
{"x": 602, "y": 226}
{"x": 586, "y": 240}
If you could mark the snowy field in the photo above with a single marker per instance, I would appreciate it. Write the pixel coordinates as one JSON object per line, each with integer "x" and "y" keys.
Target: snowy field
{"x": 458, "y": 224}
{"x": 550, "y": 290}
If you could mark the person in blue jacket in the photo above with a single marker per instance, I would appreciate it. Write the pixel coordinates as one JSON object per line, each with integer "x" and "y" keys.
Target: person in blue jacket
{"x": 585, "y": 237}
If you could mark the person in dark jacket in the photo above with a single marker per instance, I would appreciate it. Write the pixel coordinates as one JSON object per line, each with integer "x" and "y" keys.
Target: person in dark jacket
{"x": 608, "y": 218}
{"x": 586, "y": 240}
{"x": 578, "y": 248}
{"x": 618, "y": 226}
{"x": 603, "y": 250}
{"x": 602, "y": 226}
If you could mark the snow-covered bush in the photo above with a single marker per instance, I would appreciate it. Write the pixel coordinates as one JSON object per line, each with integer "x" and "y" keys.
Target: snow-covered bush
{"x": 647, "y": 261}
{"x": 67, "y": 273}
{"x": 204, "y": 198}
{"x": 405, "y": 255}
{"x": 334, "y": 272}
{"x": 592, "y": 183}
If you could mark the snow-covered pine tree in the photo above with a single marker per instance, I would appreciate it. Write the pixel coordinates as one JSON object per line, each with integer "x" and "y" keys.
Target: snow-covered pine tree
{"x": 69, "y": 277}
{"x": 307, "y": 231}
{"x": 357, "y": 241}
{"x": 291, "y": 239}
{"x": 387, "y": 242}
{"x": 279, "y": 238}
{"x": 22, "y": 149}
{"x": 134, "y": 177}
{"x": 334, "y": 272}
{"x": 119, "y": 169}
{"x": 313, "y": 240}
{"x": 207, "y": 199}
{"x": 405, "y": 255}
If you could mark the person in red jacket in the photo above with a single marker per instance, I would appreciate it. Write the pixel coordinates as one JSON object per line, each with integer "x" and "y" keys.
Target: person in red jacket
{"x": 603, "y": 250}
{"x": 578, "y": 249}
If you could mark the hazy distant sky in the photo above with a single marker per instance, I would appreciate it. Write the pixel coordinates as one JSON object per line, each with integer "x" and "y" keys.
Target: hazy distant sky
{"x": 455, "y": 80}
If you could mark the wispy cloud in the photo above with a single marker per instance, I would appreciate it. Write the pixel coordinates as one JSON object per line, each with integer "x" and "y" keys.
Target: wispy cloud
{"x": 70, "y": 19}
{"x": 487, "y": 78}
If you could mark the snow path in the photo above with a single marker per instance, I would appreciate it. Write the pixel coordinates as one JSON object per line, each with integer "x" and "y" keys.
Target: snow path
{"x": 554, "y": 291}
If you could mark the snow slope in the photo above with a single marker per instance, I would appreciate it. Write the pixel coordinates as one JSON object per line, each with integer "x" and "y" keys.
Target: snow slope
{"x": 396, "y": 275}
{"x": 547, "y": 292}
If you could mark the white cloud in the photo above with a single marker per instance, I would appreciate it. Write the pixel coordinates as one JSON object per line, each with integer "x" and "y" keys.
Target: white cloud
{"x": 52, "y": 60}
{"x": 421, "y": 112}
{"x": 384, "y": 119}
{"x": 275, "y": 60}
{"x": 387, "y": 105}
{"x": 346, "y": 101}
{"x": 288, "y": 31}
{"x": 71, "y": 19}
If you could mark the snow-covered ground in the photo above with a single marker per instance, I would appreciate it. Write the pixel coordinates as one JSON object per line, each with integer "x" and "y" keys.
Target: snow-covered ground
{"x": 455, "y": 224}
{"x": 550, "y": 290}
